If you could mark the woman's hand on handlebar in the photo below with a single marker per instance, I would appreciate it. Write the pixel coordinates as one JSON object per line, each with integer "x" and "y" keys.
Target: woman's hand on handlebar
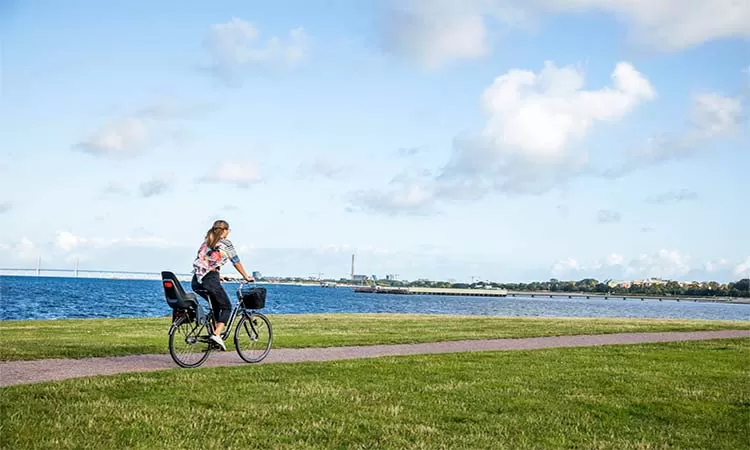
{"x": 241, "y": 270}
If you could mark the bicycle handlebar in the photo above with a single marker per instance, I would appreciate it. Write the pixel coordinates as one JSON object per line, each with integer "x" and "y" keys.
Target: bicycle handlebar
{"x": 235, "y": 280}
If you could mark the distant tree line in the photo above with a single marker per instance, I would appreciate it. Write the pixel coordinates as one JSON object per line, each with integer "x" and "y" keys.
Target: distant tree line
{"x": 739, "y": 288}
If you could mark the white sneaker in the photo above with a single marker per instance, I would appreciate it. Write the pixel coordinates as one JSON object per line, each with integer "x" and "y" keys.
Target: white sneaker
{"x": 219, "y": 341}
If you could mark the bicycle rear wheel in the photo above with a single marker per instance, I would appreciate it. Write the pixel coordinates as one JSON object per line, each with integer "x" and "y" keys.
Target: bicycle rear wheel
{"x": 188, "y": 343}
{"x": 253, "y": 337}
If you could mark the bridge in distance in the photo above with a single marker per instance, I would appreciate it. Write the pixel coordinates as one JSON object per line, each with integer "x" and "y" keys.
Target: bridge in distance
{"x": 85, "y": 273}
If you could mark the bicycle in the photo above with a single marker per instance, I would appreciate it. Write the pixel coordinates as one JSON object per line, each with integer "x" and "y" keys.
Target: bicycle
{"x": 189, "y": 343}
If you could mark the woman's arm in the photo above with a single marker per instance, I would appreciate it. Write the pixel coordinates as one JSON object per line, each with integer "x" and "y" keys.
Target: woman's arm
{"x": 241, "y": 270}
{"x": 232, "y": 255}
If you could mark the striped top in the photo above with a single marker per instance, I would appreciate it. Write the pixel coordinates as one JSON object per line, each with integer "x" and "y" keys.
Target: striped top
{"x": 209, "y": 259}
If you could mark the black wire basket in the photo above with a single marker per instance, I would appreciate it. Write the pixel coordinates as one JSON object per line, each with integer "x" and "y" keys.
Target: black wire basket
{"x": 252, "y": 297}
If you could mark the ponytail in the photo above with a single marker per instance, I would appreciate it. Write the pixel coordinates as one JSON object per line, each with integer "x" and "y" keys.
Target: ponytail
{"x": 214, "y": 233}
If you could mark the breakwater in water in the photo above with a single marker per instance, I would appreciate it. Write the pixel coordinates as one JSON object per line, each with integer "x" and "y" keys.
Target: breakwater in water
{"x": 432, "y": 291}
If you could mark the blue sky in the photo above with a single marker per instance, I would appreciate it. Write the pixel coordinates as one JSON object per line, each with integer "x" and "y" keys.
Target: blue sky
{"x": 491, "y": 139}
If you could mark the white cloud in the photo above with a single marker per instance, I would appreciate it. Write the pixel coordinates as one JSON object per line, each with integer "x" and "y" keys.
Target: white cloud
{"x": 712, "y": 116}
{"x": 405, "y": 197}
{"x": 117, "y": 253}
{"x": 416, "y": 192}
{"x": 120, "y": 138}
{"x": 571, "y": 267}
{"x": 671, "y": 24}
{"x": 715, "y": 115}
{"x": 613, "y": 259}
{"x": 602, "y": 268}
{"x": 608, "y": 216}
{"x": 236, "y": 46}
{"x": 742, "y": 269}
{"x": 528, "y": 143}
{"x": 68, "y": 241}
{"x": 139, "y": 130}
{"x": 538, "y": 115}
{"x": 153, "y": 187}
{"x": 664, "y": 263}
{"x": 237, "y": 173}
{"x": 24, "y": 250}
{"x": 532, "y": 121}
{"x": 565, "y": 267}
{"x": 672, "y": 197}
{"x": 436, "y": 32}
{"x": 717, "y": 265}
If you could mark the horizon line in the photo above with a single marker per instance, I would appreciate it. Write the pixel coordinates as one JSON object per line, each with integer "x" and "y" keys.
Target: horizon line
{"x": 158, "y": 273}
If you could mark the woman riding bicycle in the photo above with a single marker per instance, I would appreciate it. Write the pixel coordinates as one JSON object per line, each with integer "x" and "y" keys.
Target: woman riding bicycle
{"x": 215, "y": 251}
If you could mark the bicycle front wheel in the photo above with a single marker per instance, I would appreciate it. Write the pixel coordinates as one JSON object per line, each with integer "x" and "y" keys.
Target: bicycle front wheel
{"x": 253, "y": 337}
{"x": 188, "y": 343}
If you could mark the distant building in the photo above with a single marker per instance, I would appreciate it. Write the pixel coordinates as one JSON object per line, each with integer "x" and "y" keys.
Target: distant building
{"x": 649, "y": 282}
{"x": 359, "y": 277}
{"x": 257, "y": 275}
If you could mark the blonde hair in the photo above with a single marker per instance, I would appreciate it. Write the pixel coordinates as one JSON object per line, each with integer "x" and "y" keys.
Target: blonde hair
{"x": 214, "y": 234}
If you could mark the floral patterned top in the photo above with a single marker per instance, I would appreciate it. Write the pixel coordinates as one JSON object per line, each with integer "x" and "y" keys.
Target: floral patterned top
{"x": 209, "y": 259}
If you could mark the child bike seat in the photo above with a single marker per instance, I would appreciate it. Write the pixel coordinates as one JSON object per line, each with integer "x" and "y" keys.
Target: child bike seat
{"x": 176, "y": 296}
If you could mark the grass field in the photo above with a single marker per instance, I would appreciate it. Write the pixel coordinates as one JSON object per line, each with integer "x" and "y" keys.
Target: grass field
{"x": 25, "y": 340}
{"x": 692, "y": 395}
{"x": 651, "y": 396}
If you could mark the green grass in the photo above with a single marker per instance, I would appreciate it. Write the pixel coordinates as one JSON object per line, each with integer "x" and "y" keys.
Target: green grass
{"x": 26, "y": 340}
{"x": 651, "y": 396}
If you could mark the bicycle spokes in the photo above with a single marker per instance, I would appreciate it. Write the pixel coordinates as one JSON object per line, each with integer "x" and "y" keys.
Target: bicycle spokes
{"x": 188, "y": 343}
{"x": 250, "y": 329}
{"x": 253, "y": 337}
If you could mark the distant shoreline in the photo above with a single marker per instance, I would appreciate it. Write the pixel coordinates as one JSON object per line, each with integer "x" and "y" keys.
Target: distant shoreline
{"x": 103, "y": 275}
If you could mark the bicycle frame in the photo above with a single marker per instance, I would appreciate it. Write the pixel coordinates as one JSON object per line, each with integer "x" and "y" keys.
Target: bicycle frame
{"x": 232, "y": 316}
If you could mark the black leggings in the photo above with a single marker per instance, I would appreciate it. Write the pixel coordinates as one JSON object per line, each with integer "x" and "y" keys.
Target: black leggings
{"x": 210, "y": 289}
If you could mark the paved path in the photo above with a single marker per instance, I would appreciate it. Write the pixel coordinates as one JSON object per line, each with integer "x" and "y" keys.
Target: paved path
{"x": 22, "y": 372}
